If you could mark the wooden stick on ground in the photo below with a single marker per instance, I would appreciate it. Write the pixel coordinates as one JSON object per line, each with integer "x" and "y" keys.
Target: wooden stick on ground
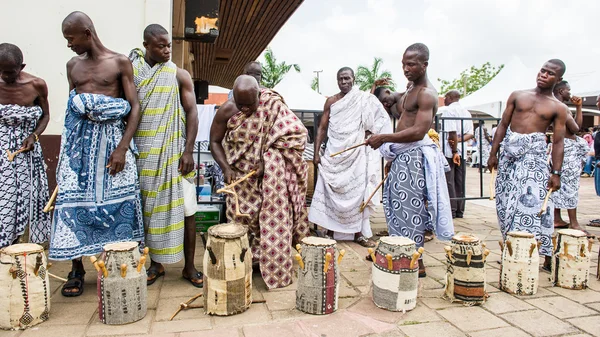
{"x": 187, "y": 305}
{"x": 493, "y": 185}
{"x": 348, "y": 149}
{"x": 364, "y": 204}
{"x": 543, "y": 210}
{"x": 49, "y": 206}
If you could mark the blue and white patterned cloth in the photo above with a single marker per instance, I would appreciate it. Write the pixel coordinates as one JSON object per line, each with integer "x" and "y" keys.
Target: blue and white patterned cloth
{"x": 417, "y": 175}
{"x": 567, "y": 196}
{"x": 521, "y": 186}
{"x": 94, "y": 208}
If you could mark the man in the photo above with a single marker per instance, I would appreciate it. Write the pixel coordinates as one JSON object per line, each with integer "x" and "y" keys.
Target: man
{"x": 453, "y": 149}
{"x": 575, "y": 149}
{"x": 346, "y": 181}
{"x": 254, "y": 69}
{"x": 165, "y": 139}
{"x": 523, "y": 169}
{"x": 596, "y": 222}
{"x": 99, "y": 195}
{"x": 256, "y": 131}
{"x": 416, "y": 166}
{"x": 24, "y": 114}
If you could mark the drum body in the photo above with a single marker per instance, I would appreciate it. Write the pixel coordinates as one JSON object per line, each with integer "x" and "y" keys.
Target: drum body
{"x": 465, "y": 275}
{"x": 227, "y": 270}
{"x": 25, "y": 295}
{"x": 395, "y": 288}
{"x": 520, "y": 269}
{"x": 122, "y": 296}
{"x": 318, "y": 281}
{"x": 571, "y": 260}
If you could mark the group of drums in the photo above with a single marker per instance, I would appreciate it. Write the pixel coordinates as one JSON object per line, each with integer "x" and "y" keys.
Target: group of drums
{"x": 122, "y": 292}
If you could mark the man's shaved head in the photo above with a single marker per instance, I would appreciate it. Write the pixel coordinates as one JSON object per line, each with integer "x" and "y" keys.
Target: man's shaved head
{"x": 421, "y": 49}
{"x": 154, "y": 30}
{"x": 11, "y": 54}
{"x": 246, "y": 94}
{"x": 561, "y": 65}
{"x": 79, "y": 20}
{"x": 245, "y": 83}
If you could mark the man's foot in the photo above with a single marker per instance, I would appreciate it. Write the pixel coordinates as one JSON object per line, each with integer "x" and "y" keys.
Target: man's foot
{"x": 363, "y": 241}
{"x": 547, "y": 264}
{"x": 428, "y": 236}
{"x": 560, "y": 223}
{"x": 383, "y": 233}
{"x": 195, "y": 278}
{"x": 422, "y": 272}
{"x": 459, "y": 215}
{"x": 155, "y": 271}
{"x": 74, "y": 286}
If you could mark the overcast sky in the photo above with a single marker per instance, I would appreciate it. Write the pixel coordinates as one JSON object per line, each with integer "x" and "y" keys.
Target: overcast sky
{"x": 326, "y": 35}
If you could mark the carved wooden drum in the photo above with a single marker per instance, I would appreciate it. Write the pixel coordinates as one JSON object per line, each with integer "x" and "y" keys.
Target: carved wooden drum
{"x": 519, "y": 273}
{"x": 395, "y": 273}
{"x": 571, "y": 259}
{"x": 465, "y": 275}
{"x": 25, "y": 294}
{"x": 122, "y": 289}
{"x": 227, "y": 270}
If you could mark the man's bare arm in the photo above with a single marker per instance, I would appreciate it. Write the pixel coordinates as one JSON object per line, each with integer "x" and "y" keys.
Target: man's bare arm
{"x": 574, "y": 124}
{"x": 504, "y": 123}
{"x": 42, "y": 101}
{"x": 217, "y": 134}
{"x": 322, "y": 130}
{"x": 426, "y": 100}
{"x": 70, "y": 65}
{"x": 188, "y": 101}
{"x": 558, "y": 138}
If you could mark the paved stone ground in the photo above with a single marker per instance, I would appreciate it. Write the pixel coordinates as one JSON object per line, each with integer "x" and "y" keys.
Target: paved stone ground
{"x": 551, "y": 312}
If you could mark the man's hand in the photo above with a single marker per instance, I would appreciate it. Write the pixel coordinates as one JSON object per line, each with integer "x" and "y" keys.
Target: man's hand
{"x": 260, "y": 170}
{"x": 316, "y": 159}
{"x": 554, "y": 182}
{"x": 28, "y": 143}
{"x": 493, "y": 162}
{"x": 456, "y": 159}
{"x": 186, "y": 163}
{"x": 116, "y": 162}
{"x": 228, "y": 175}
{"x": 375, "y": 141}
{"x": 368, "y": 134}
{"x": 576, "y": 100}
{"x": 382, "y": 81}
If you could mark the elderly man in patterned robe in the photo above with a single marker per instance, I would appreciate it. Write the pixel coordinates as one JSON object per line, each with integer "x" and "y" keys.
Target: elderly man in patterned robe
{"x": 256, "y": 131}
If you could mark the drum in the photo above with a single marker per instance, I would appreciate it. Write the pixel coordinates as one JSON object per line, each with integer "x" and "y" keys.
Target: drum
{"x": 227, "y": 270}
{"x": 122, "y": 289}
{"x": 519, "y": 273}
{"x": 465, "y": 275}
{"x": 25, "y": 295}
{"x": 571, "y": 259}
{"x": 318, "y": 276}
{"x": 395, "y": 273}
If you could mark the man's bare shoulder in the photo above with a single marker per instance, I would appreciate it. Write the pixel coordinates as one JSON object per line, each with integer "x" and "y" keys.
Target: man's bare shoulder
{"x": 226, "y": 111}
{"x": 183, "y": 76}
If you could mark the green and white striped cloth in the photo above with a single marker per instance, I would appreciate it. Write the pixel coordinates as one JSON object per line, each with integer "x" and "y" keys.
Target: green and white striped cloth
{"x": 160, "y": 139}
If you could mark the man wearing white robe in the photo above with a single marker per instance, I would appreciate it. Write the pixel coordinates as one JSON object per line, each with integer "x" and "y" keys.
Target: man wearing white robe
{"x": 347, "y": 180}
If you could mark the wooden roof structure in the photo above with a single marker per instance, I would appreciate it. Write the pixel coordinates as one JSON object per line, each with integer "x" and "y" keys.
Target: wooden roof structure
{"x": 246, "y": 27}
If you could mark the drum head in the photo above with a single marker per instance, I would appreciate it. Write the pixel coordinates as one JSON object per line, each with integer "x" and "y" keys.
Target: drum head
{"x": 521, "y": 234}
{"x": 397, "y": 240}
{"x": 120, "y": 246}
{"x": 227, "y": 231}
{"x": 467, "y": 238}
{"x": 21, "y": 248}
{"x": 317, "y": 241}
{"x": 571, "y": 232}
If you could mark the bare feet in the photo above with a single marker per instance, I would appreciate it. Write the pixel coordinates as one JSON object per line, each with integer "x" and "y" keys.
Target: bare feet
{"x": 560, "y": 223}
{"x": 547, "y": 264}
{"x": 194, "y": 276}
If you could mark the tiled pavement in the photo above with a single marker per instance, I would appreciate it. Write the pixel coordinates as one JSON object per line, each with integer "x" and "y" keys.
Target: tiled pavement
{"x": 551, "y": 312}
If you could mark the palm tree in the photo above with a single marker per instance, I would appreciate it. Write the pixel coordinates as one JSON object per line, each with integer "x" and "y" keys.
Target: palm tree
{"x": 365, "y": 77}
{"x": 315, "y": 84}
{"x": 272, "y": 72}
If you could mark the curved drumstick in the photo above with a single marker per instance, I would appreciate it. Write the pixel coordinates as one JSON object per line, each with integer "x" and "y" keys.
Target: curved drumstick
{"x": 364, "y": 204}
{"x": 49, "y": 206}
{"x": 543, "y": 210}
{"x": 235, "y": 183}
{"x": 372, "y": 253}
{"x": 416, "y": 255}
{"x": 341, "y": 255}
{"x": 348, "y": 149}
{"x": 11, "y": 156}
{"x": 493, "y": 185}
{"x": 94, "y": 261}
{"x": 237, "y": 202}
{"x": 300, "y": 262}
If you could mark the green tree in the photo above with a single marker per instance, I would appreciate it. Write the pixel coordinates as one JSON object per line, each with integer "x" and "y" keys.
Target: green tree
{"x": 365, "y": 77}
{"x": 273, "y": 72}
{"x": 471, "y": 79}
{"x": 315, "y": 84}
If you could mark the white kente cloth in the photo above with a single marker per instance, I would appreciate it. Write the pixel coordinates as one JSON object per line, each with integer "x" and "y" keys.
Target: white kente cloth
{"x": 346, "y": 180}
{"x": 568, "y": 194}
{"x": 417, "y": 175}
{"x": 24, "y": 188}
{"x": 521, "y": 186}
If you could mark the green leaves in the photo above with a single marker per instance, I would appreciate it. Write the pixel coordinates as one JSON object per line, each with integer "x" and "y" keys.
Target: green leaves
{"x": 471, "y": 79}
{"x": 273, "y": 72}
{"x": 365, "y": 77}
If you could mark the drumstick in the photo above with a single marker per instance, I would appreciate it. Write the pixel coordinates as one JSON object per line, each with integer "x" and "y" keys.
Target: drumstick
{"x": 141, "y": 263}
{"x": 300, "y": 262}
{"x": 509, "y": 247}
{"x": 348, "y": 149}
{"x": 235, "y": 183}
{"x": 57, "y": 277}
{"x": 49, "y": 207}
{"x": 532, "y": 248}
{"x": 485, "y": 254}
{"x": 327, "y": 261}
{"x": 372, "y": 253}
{"x": 493, "y": 185}
{"x": 181, "y": 306}
{"x": 545, "y": 203}
{"x": 237, "y": 202}
{"x": 341, "y": 255}
{"x": 299, "y": 248}
{"x": 363, "y": 205}
{"x": 11, "y": 156}
{"x": 415, "y": 257}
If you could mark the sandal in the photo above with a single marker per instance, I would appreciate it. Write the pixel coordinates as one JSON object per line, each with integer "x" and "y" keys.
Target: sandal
{"x": 74, "y": 281}
{"x": 594, "y": 223}
{"x": 562, "y": 226}
{"x": 382, "y": 233}
{"x": 428, "y": 236}
{"x": 198, "y": 283}
{"x": 363, "y": 241}
{"x": 153, "y": 275}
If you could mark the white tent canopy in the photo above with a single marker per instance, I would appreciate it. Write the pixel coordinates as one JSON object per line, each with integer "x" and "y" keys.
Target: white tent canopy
{"x": 297, "y": 94}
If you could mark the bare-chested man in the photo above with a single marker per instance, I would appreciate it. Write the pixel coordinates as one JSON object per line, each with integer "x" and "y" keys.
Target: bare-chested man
{"x": 24, "y": 114}
{"x": 346, "y": 181}
{"x": 99, "y": 194}
{"x": 523, "y": 168}
{"x": 576, "y": 149}
{"x": 416, "y": 166}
